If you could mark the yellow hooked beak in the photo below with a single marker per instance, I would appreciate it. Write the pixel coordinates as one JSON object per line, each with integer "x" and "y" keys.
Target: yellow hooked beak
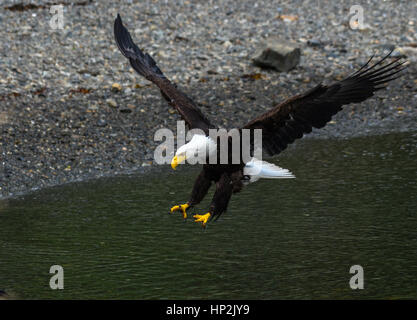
{"x": 177, "y": 160}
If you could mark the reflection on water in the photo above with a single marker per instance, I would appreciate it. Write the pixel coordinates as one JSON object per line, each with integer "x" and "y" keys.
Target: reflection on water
{"x": 353, "y": 202}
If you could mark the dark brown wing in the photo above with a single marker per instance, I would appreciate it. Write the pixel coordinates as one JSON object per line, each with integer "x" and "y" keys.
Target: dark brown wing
{"x": 298, "y": 115}
{"x": 146, "y": 66}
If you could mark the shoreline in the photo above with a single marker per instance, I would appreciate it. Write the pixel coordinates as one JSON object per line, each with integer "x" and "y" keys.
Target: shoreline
{"x": 153, "y": 168}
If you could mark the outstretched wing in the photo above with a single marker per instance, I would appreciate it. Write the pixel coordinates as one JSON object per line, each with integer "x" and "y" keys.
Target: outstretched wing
{"x": 298, "y": 115}
{"x": 146, "y": 67}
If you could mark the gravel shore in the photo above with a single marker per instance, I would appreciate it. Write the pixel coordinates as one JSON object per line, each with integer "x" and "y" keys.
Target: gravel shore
{"x": 62, "y": 119}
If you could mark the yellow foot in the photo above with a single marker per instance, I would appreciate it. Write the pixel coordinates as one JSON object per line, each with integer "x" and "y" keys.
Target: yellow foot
{"x": 183, "y": 208}
{"x": 202, "y": 218}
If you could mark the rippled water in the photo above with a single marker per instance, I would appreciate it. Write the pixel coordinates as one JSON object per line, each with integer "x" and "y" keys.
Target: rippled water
{"x": 353, "y": 202}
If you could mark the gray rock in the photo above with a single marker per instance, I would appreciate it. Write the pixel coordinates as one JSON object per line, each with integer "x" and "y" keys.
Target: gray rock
{"x": 111, "y": 102}
{"x": 278, "y": 55}
{"x": 102, "y": 123}
{"x": 314, "y": 43}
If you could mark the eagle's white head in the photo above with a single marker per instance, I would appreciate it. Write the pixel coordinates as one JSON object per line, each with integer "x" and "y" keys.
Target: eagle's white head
{"x": 197, "y": 150}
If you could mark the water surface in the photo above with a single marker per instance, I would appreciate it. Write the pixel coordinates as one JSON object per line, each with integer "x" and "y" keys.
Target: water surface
{"x": 353, "y": 202}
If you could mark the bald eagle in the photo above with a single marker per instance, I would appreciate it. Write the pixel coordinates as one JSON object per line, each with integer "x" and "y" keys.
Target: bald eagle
{"x": 280, "y": 126}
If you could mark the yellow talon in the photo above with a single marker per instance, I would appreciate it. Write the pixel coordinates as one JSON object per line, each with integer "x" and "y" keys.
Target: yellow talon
{"x": 183, "y": 208}
{"x": 202, "y": 218}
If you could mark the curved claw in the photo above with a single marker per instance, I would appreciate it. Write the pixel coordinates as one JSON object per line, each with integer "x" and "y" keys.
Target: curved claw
{"x": 202, "y": 218}
{"x": 183, "y": 208}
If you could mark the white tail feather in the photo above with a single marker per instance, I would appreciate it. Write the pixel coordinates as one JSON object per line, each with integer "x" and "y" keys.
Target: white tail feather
{"x": 257, "y": 169}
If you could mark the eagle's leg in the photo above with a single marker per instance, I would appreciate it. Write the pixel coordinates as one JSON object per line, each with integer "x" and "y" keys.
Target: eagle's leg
{"x": 224, "y": 190}
{"x": 200, "y": 189}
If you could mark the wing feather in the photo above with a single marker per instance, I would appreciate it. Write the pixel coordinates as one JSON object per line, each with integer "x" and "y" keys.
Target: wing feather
{"x": 146, "y": 66}
{"x": 298, "y": 115}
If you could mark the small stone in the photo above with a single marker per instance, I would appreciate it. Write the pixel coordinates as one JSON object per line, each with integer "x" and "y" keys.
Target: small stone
{"x": 278, "y": 55}
{"x": 102, "y": 123}
{"x": 227, "y": 44}
{"x": 125, "y": 110}
{"x": 409, "y": 52}
{"x": 111, "y": 103}
{"x": 288, "y": 18}
{"x": 314, "y": 43}
{"x": 93, "y": 107}
{"x": 116, "y": 87}
{"x": 3, "y": 118}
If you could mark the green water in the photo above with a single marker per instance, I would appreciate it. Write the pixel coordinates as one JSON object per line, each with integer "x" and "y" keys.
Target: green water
{"x": 353, "y": 202}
